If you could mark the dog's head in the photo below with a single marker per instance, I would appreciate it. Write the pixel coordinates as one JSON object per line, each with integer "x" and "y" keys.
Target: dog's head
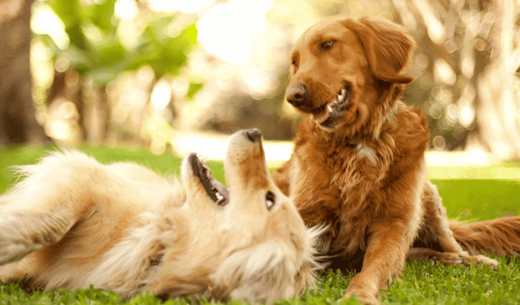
{"x": 250, "y": 233}
{"x": 340, "y": 67}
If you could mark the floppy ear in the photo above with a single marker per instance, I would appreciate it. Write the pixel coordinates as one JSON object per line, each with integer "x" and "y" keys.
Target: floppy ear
{"x": 387, "y": 47}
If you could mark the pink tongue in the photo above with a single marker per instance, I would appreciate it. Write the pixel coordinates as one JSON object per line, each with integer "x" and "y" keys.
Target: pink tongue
{"x": 321, "y": 116}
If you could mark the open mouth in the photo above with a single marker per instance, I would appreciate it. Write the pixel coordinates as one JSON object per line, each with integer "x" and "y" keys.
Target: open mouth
{"x": 215, "y": 190}
{"x": 333, "y": 109}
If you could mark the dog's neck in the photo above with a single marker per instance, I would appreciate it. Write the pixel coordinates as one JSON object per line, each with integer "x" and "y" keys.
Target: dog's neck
{"x": 338, "y": 135}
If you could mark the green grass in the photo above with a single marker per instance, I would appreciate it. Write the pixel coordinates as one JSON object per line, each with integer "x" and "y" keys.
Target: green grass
{"x": 468, "y": 193}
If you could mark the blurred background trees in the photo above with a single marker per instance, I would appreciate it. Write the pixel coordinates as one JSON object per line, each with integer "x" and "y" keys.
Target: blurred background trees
{"x": 146, "y": 71}
{"x": 17, "y": 120}
{"x": 103, "y": 69}
{"x": 469, "y": 52}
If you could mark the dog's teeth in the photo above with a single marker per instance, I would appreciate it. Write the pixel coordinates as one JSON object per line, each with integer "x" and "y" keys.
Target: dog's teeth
{"x": 329, "y": 108}
{"x": 219, "y": 197}
{"x": 341, "y": 96}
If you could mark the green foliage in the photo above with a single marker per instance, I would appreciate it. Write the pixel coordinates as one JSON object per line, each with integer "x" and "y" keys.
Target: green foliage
{"x": 165, "y": 54}
{"x": 193, "y": 89}
{"x": 421, "y": 283}
{"x": 96, "y": 49}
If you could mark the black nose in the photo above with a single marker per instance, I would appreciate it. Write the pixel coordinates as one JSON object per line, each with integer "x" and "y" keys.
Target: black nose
{"x": 254, "y": 135}
{"x": 297, "y": 94}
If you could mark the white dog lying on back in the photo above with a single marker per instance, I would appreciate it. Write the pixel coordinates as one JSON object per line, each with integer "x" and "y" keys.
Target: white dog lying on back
{"x": 73, "y": 222}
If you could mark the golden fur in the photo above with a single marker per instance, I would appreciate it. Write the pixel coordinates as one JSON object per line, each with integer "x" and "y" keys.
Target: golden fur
{"x": 73, "y": 222}
{"x": 358, "y": 163}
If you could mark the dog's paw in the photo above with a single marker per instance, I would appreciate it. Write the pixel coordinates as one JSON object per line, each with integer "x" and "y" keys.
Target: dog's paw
{"x": 478, "y": 261}
{"x": 450, "y": 258}
{"x": 466, "y": 260}
{"x": 362, "y": 296}
{"x": 15, "y": 243}
{"x": 9, "y": 252}
{"x": 482, "y": 260}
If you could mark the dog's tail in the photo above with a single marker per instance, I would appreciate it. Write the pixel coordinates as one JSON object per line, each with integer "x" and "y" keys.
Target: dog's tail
{"x": 498, "y": 236}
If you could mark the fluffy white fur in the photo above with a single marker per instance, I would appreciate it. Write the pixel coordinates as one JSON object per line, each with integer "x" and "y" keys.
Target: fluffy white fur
{"x": 72, "y": 222}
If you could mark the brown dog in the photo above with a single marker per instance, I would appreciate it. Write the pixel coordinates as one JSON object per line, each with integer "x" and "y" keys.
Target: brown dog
{"x": 358, "y": 164}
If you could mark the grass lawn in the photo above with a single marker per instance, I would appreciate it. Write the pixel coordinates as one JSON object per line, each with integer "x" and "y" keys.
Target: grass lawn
{"x": 469, "y": 193}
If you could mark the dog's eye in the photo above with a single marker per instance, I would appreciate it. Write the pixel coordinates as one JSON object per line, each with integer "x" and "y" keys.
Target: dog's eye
{"x": 269, "y": 200}
{"x": 327, "y": 45}
{"x": 294, "y": 63}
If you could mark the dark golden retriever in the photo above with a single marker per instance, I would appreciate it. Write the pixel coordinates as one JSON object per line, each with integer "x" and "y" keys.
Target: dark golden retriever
{"x": 358, "y": 164}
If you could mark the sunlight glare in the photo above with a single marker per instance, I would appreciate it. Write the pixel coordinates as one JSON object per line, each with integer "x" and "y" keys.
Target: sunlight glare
{"x": 184, "y": 6}
{"x": 41, "y": 65}
{"x": 444, "y": 73}
{"x": 227, "y": 30}
{"x": 467, "y": 115}
{"x": 215, "y": 146}
{"x": 161, "y": 94}
{"x": 126, "y": 9}
{"x": 44, "y": 21}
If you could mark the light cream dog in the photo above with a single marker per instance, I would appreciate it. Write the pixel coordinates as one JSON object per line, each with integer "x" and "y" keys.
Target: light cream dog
{"x": 73, "y": 222}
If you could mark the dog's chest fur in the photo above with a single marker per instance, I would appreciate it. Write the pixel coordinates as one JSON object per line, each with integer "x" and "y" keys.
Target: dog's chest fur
{"x": 334, "y": 183}
{"x": 341, "y": 182}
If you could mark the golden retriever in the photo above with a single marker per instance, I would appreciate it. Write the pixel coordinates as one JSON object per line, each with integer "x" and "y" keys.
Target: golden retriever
{"x": 73, "y": 222}
{"x": 358, "y": 163}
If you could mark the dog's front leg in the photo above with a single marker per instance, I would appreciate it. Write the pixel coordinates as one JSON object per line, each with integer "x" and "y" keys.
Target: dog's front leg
{"x": 384, "y": 259}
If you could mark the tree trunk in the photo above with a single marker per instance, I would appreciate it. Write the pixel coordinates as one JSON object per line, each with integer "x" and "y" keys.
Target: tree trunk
{"x": 17, "y": 115}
